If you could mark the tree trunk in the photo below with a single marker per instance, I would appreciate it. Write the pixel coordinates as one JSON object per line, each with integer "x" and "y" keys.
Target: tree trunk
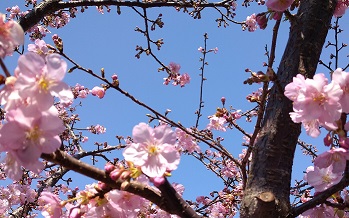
{"x": 268, "y": 186}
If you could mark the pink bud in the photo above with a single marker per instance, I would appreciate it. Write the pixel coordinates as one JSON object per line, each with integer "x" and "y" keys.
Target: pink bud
{"x": 328, "y": 140}
{"x": 344, "y": 142}
{"x": 98, "y": 91}
{"x": 114, "y": 77}
{"x": 115, "y": 174}
{"x": 223, "y": 100}
{"x": 102, "y": 185}
{"x": 157, "y": 181}
{"x": 262, "y": 20}
{"x": 109, "y": 167}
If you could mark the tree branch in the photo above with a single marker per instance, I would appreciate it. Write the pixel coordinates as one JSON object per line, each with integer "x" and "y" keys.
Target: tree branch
{"x": 166, "y": 199}
{"x": 47, "y": 7}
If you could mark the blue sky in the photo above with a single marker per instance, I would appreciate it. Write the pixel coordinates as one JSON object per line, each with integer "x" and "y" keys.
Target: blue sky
{"x": 95, "y": 41}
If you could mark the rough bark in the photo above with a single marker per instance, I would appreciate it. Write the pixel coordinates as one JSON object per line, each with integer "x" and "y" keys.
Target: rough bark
{"x": 268, "y": 186}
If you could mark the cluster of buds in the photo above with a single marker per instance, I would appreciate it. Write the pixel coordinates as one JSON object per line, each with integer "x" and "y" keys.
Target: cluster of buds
{"x": 256, "y": 77}
{"x": 58, "y": 42}
{"x": 119, "y": 172}
{"x": 229, "y": 116}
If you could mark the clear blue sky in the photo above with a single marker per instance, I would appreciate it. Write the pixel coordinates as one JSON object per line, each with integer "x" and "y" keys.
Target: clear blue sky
{"x": 95, "y": 41}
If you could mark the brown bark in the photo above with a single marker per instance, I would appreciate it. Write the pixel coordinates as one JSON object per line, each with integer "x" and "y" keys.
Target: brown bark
{"x": 273, "y": 154}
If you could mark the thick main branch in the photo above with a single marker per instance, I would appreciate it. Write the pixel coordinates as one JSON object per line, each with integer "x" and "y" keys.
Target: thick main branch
{"x": 50, "y": 6}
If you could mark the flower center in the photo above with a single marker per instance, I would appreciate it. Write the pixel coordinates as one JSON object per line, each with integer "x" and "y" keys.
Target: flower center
{"x": 326, "y": 179}
{"x": 152, "y": 150}
{"x": 44, "y": 84}
{"x": 33, "y": 134}
{"x": 320, "y": 99}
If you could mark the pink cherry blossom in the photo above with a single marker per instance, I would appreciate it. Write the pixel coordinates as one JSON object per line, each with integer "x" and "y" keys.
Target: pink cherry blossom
{"x": 336, "y": 157}
{"x": 279, "y": 5}
{"x": 40, "y": 80}
{"x": 186, "y": 141}
{"x": 184, "y": 79}
{"x": 98, "y": 91}
{"x": 14, "y": 11}
{"x": 80, "y": 91}
{"x": 29, "y": 133}
{"x": 50, "y": 205}
{"x": 321, "y": 211}
{"x": 315, "y": 99}
{"x": 125, "y": 203}
{"x": 341, "y": 7}
{"x": 39, "y": 47}
{"x": 174, "y": 67}
{"x": 11, "y": 35}
{"x": 311, "y": 126}
{"x": 153, "y": 149}
{"x": 251, "y": 23}
{"x": 217, "y": 123}
{"x": 342, "y": 78}
{"x": 321, "y": 179}
{"x": 97, "y": 129}
{"x": 292, "y": 89}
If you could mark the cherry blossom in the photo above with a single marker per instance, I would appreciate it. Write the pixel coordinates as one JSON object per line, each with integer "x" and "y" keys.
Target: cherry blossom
{"x": 184, "y": 79}
{"x": 97, "y": 129}
{"x": 217, "y": 123}
{"x": 11, "y": 35}
{"x": 40, "y": 80}
{"x": 27, "y": 134}
{"x": 279, "y": 5}
{"x": 39, "y": 47}
{"x": 50, "y": 205}
{"x": 342, "y": 78}
{"x": 153, "y": 149}
{"x": 251, "y": 23}
{"x": 319, "y": 100}
{"x": 320, "y": 211}
{"x": 14, "y": 11}
{"x": 336, "y": 158}
{"x": 315, "y": 102}
{"x": 322, "y": 178}
{"x": 175, "y": 76}
{"x": 186, "y": 141}
{"x": 125, "y": 203}
{"x": 341, "y": 7}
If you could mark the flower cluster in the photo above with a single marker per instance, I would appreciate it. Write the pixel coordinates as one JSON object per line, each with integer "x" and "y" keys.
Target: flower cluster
{"x": 15, "y": 194}
{"x": 327, "y": 170}
{"x": 97, "y": 129}
{"x": 91, "y": 202}
{"x": 11, "y": 35}
{"x": 251, "y": 23}
{"x": 223, "y": 118}
{"x": 33, "y": 125}
{"x": 175, "y": 76}
{"x": 187, "y": 142}
{"x": 317, "y": 102}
